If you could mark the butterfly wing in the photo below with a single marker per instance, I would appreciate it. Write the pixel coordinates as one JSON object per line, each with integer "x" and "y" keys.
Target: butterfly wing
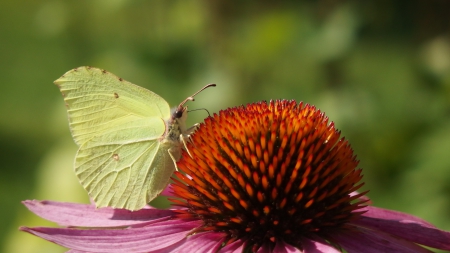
{"x": 122, "y": 173}
{"x": 118, "y": 127}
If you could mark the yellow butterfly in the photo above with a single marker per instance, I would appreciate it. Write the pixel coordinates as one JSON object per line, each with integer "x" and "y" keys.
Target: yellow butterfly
{"x": 129, "y": 141}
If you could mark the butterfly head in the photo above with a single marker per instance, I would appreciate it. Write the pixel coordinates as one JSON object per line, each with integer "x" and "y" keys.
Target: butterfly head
{"x": 180, "y": 113}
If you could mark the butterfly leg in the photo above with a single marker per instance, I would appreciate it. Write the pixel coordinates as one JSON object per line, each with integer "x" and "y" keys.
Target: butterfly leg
{"x": 190, "y": 130}
{"x": 173, "y": 158}
{"x": 183, "y": 138}
{"x": 187, "y": 135}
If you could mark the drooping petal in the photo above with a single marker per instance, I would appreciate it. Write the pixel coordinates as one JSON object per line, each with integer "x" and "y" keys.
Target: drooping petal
{"x": 264, "y": 248}
{"x": 168, "y": 191}
{"x": 81, "y": 215}
{"x": 363, "y": 198}
{"x": 317, "y": 246}
{"x": 368, "y": 241}
{"x": 406, "y": 226}
{"x": 158, "y": 236}
{"x": 381, "y": 213}
{"x": 234, "y": 247}
{"x": 207, "y": 242}
{"x": 282, "y": 247}
{"x": 203, "y": 242}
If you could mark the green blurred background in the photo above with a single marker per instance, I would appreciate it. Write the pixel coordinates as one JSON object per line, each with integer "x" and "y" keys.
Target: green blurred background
{"x": 379, "y": 69}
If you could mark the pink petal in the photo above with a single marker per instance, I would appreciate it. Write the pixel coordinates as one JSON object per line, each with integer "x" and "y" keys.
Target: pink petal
{"x": 158, "y": 236}
{"x": 170, "y": 248}
{"x": 206, "y": 242}
{"x": 168, "y": 191}
{"x": 386, "y": 214}
{"x": 362, "y": 198}
{"x": 202, "y": 242}
{"x": 317, "y": 246}
{"x": 81, "y": 215}
{"x": 265, "y": 248}
{"x": 282, "y": 247}
{"x": 362, "y": 240}
{"x": 409, "y": 228}
{"x": 234, "y": 247}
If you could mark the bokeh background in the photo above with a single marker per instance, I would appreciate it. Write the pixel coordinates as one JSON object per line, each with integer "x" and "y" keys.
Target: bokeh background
{"x": 379, "y": 69}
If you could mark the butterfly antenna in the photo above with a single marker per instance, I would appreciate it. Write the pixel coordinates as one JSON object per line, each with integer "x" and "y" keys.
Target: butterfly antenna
{"x": 191, "y": 98}
{"x": 200, "y": 109}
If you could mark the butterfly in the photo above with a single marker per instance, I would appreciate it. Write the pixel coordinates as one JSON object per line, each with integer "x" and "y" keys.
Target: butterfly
{"x": 129, "y": 140}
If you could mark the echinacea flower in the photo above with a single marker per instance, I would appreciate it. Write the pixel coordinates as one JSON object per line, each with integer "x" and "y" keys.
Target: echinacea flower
{"x": 266, "y": 177}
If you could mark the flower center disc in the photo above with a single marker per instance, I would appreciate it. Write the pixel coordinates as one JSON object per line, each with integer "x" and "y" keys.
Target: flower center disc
{"x": 266, "y": 172}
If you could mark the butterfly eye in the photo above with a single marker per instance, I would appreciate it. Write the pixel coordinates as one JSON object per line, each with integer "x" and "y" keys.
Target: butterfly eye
{"x": 178, "y": 113}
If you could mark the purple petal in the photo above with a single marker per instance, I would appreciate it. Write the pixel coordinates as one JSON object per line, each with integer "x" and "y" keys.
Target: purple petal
{"x": 170, "y": 248}
{"x": 362, "y": 198}
{"x": 234, "y": 247}
{"x": 362, "y": 240}
{"x": 282, "y": 247}
{"x": 317, "y": 246}
{"x": 81, "y": 215}
{"x": 158, "y": 236}
{"x": 407, "y": 227}
{"x": 168, "y": 191}
{"x": 206, "y": 242}
{"x": 386, "y": 214}
{"x": 264, "y": 248}
{"x": 202, "y": 242}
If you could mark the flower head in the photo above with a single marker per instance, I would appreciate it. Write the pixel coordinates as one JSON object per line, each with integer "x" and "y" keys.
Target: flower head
{"x": 269, "y": 172}
{"x": 266, "y": 177}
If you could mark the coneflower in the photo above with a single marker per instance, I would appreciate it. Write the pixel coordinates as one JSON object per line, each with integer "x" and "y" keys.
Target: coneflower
{"x": 266, "y": 177}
